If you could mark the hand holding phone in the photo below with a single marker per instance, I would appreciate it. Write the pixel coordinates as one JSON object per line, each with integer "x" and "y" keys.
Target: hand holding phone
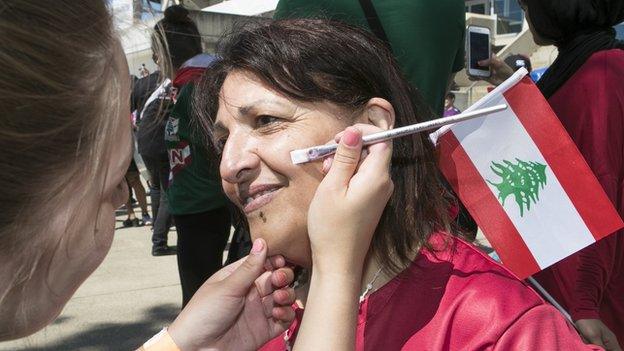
{"x": 499, "y": 70}
{"x": 478, "y": 49}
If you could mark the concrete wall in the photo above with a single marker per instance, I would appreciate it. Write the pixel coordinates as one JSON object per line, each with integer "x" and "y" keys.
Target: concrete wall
{"x": 475, "y": 19}
{"x": 136, "y": 59}
{"x": 522, "y": 44}
{"x": 136, "y": 40}
{"x": 213, "y": 25}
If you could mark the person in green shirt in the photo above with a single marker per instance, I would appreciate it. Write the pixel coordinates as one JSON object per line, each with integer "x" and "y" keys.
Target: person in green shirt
{"x": 194, "y": 184}
{"x": 426, "y": 37}
{"x": 196, "y": 201}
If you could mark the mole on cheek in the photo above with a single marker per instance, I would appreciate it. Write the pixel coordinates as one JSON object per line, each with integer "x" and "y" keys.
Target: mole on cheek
{"x": 262, "y": 217}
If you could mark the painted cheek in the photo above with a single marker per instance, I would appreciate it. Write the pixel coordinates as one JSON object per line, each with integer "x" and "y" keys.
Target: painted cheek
{"x": 276, "y": 152}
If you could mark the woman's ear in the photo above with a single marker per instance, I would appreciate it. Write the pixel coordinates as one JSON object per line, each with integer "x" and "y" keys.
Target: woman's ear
{"x": 380, "y": 113}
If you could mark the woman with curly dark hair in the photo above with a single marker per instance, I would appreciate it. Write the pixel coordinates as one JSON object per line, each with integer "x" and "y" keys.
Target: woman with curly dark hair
{"x": 286, "y": 85}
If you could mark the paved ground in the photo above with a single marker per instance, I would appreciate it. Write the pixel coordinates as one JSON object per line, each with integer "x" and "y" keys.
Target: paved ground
{"x": 129, "y": 298}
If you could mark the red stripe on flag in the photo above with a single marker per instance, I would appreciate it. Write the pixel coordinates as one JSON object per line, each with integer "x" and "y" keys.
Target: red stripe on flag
{"x": 547, "y": 132}
{"x": 479, "y": 200}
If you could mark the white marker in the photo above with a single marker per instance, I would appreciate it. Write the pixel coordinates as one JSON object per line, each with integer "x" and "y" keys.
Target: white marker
{"x": 318, "y": 152}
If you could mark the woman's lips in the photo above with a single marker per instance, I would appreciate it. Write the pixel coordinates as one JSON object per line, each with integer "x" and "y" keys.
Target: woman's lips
{"x": 260, "y": 201}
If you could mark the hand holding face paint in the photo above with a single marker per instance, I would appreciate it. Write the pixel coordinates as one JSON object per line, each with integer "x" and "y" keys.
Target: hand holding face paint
{"x": 342, "y": 218}
{"x": 240, "y": 307}
{"x": 349, "y": 202}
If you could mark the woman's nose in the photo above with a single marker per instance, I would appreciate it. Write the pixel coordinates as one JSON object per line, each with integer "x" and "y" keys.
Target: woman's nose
{"x": 239, "y": 161}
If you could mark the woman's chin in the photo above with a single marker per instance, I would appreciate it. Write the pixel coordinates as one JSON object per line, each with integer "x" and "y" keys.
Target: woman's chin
{"x": 294, "y": 253}
{"x": 303, "y": 262}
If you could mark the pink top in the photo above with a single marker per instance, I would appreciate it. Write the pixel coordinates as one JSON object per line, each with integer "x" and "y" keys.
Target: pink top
{"x": 590, "y": 105}
{"x": 456, "y": 299}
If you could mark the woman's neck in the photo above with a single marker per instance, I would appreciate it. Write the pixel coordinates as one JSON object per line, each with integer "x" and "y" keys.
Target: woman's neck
{"x": 373, "y": 273}
{"x": 371, "y": 268}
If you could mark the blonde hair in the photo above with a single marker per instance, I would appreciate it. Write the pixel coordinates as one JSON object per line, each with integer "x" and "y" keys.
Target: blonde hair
{"x": 60, "y": 102}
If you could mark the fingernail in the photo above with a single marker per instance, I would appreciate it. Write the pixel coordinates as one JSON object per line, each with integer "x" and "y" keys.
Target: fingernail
{"x": 281, "y": 277}
{"x": 351, "y": 137}
{"x": 257, "y": 247}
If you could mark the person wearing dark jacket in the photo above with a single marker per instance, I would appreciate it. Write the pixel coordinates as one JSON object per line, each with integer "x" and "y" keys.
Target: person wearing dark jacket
{"x": 584, "y": 88}
{"x": 151, "y": 119}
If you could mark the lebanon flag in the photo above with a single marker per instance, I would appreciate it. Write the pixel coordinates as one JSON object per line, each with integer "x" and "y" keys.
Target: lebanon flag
{"x": 524, "y": 181}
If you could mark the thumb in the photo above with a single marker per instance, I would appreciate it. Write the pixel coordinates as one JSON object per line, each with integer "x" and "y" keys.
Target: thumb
{"x": 243, "y": 277}
{"x": 346, "y": 158}
{"x": 485, "y": 62}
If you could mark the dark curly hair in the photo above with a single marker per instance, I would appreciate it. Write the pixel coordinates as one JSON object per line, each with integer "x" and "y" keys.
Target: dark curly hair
{"x": 312, "y": 60}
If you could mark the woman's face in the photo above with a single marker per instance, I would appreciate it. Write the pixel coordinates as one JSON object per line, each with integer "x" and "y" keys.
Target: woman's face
{"x": 258, "y": 128}
{"x": 78, "y": 235}
{"x": 89, "y": 240}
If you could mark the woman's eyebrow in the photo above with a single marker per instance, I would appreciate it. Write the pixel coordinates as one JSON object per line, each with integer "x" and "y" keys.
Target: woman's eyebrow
{"x": 249, "y": 108}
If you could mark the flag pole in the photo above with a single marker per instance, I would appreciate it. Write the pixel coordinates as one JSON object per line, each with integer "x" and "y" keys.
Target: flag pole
{"x": 550, "y": 299}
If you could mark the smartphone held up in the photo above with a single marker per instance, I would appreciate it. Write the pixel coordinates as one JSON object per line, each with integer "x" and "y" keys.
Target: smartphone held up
{"x": 477, "y": 49}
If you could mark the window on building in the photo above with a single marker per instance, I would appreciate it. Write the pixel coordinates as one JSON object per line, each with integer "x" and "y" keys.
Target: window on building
{"x": 510, "y": 16}
{"x": 477, "y": 6}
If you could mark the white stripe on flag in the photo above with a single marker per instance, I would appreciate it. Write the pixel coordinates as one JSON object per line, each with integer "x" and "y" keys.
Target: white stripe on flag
{"x": 552, "y": 229}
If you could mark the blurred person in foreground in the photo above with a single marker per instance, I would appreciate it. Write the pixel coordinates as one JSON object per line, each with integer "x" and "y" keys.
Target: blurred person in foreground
{"x": 584, "y": 88}
{"x": 65, "y": 118}
{"x": 68, "y": 126}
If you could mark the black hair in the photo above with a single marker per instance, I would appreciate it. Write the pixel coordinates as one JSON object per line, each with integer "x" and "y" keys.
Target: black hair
{"x": 562, "y": 20}
{"x": 177, "y": 33}
{"x": 579, "y": 28}
{"x": 517, "y": 61}
{"x": 313, "y": 60}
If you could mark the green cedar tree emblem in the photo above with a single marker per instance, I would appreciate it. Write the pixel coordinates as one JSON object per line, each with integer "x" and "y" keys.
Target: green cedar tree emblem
{"x": 523, "y": 180}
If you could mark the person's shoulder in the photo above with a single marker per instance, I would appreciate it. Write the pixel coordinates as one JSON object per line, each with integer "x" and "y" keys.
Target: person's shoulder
{"x": 182, "y": 110}
{"x": 481, "y": 299}
{"x": 454, "y": 11}
{"x": 606, "y": 64}
{"x": 612, "y": 56}
{"x": 597, "y": 80}
{"x": 183, "y": 98}
{"x": 452, "y": 4}
{"x": 186, "y": 90}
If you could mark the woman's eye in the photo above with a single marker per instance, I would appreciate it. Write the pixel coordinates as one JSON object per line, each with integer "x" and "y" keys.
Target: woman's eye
{"x": 264, "y": 120}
